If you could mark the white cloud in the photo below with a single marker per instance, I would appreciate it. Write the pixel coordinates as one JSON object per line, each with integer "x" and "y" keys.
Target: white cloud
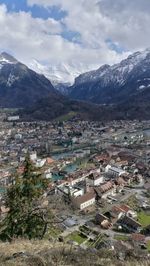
{"x": 27, "y": 38}
{"x": 124, "y": 22}
{"x": 24, "y": 35}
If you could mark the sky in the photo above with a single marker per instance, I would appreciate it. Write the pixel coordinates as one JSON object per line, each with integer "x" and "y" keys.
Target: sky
{"x": 85, "y": 33}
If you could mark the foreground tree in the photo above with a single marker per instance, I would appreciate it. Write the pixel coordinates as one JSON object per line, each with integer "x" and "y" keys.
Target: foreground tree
{"x": 25, "y": 218}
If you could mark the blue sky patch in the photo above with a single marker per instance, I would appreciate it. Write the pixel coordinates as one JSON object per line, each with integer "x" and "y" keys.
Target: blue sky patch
{"x": 115, "y": 47}
{"x": 36, "y": 11}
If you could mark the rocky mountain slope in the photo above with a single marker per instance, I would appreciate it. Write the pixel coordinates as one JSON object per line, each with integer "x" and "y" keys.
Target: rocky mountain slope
{"x": 127, "y": 80}
{"x": 19, "y": 85}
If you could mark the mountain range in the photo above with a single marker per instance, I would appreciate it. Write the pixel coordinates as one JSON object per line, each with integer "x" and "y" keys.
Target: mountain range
{"x": 34, "y": 94}
{"x": 121, "y": 91}
{"x": 60, "y": 75}
{"x": 121, "y": 82}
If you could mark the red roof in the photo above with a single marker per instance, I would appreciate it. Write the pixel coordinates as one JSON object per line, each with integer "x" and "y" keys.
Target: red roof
{"x": 122, "y": 208}
{"x": 106, "y": 187}
{"x": 50, "y": 160}
{"x": 125, "y": 208}
{"x": 116, "y": 209}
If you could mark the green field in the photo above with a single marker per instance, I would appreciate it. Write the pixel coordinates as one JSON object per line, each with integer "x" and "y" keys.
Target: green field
{"x": 148, "y": 245}
{"x": 121, "y": 237}
{"x": 66, "y": 117}
{"x": 144, "y": 219}
{"x": 77, "y": 237}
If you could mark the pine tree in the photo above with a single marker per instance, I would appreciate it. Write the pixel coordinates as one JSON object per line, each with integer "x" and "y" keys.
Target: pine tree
{"x": 25, "y": 217}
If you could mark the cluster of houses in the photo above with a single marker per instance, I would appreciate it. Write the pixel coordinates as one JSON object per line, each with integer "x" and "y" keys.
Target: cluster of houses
{"x": 122, "y": 217}
{"x": 113, "y": 166}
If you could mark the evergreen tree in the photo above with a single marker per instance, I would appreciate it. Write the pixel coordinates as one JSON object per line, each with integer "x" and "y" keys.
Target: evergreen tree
{"x": 25, "y": 217}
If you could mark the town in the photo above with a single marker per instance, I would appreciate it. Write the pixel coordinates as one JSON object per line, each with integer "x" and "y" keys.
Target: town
{"x": 98, "y": 178}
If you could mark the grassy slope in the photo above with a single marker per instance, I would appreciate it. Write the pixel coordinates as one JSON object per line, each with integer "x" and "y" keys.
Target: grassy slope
{"x": 144, "y": 219}
{"x": 44, "y": 253}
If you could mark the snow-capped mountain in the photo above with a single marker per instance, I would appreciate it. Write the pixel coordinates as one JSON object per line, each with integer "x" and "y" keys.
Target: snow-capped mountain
{"x": 5, "y": 58}
{"x": 19, "y": 85}
{"x": 58, "y": 74}
{"x": 34, "y": 93}
{"x": 110, "y": 84}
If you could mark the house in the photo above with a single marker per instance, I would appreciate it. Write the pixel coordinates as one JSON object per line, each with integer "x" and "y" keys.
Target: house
{"x": 84, "y": 201}
{"x": 50, "y": 160}
{"x": 103, "y": 221}
{"x": 118, "y": 211}
{"x": 129, "y": 223}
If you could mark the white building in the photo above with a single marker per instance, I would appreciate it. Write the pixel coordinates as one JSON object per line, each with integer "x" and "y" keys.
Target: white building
{"x": 114, "y": 171}
{"x": 13, "y": 118}
{"x": 40, "y": 163}
{"x": 48, "y": 173}
{"x": 95, "y": 180}
{"x": 69, "y": 190}
{"x": 33, "y": 156}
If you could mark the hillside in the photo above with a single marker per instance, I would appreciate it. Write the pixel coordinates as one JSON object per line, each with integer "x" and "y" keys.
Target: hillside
{"x": 129, "y": 80}
{"x": 45, "y": 253}
{"x": 19, "y": 85}
{"x": 61, "y": 107}
{"x": 58, "y": 106}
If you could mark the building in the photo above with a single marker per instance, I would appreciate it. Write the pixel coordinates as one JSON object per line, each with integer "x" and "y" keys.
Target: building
{"x": 114, "y": 171}
{"x": 95, "y": 179}
{"x": 103, "y": 221}
{"x": 73, "y": 191}
{"x": 33, "y": 156}
{"x": 129, "y": 224}
{"x": 84, "y": 201}
{"x": 13, "y": 118}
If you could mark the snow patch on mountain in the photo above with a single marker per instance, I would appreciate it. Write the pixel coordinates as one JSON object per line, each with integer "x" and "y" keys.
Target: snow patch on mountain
{"x": 60, "y": 73}
{"x": 119, "y": 72}
{"x": 6, "y": 59}
{"x": 116, "y": 74}
{"x": 111, "y": 84}
{"x": 11, "y": 80}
